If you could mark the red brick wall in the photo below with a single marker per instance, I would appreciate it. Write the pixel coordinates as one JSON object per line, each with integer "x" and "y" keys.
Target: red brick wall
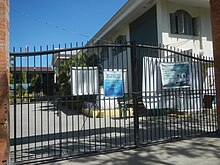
{"x": 215, "y": 17}
{"x": 4, "y": 81}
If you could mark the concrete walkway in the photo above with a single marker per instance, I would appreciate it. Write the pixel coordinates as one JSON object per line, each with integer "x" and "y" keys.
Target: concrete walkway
{"x": 196, "y": 151}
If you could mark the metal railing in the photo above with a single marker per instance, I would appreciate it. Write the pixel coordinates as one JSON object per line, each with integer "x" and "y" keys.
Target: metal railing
{"x": 60, "y": 104}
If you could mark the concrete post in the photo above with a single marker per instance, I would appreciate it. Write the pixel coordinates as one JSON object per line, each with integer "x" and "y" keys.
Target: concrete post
{"x": 215, "y": 18}
{"x": 4, "y": 82}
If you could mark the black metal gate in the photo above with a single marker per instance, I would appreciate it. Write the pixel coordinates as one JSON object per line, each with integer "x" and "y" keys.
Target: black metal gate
{"x": 60, "y": 105}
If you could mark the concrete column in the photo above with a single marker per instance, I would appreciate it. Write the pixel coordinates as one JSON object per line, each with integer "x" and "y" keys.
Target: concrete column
{"x": 4, "y": 82}
{"x": 215, "y": 18}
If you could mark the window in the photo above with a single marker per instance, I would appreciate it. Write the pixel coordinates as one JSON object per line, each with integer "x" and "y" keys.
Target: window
{"x": 120, "y": 40}
{"x": 181, "y": 22}
{"x": 104, "y": 54}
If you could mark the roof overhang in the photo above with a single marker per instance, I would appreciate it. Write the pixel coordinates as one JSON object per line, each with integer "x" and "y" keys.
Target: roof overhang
{"x": 193, "y": 3}
{"x": 124, "y": 16}
{"x": 58, "y": 57}
{"x": 131, "y": 11}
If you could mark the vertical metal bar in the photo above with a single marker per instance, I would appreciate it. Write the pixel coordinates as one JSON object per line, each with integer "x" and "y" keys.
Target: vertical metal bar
{"x": 124, "y": 103}
{"x": 108, "y": 67}
{"x": 171, "y": 93}
{"x": 163, "y": 93}
{"x": 207, "y": 95}
{"x": 21, "y": 106}
{"x": 72, "y": 110}
{"x": 83, "y": 97}
{"x": 197, "y": 70}
{"x": 202, "y": 93}
{"x": 115, "y": 128}
{"x": 179, "y": 124}
{"x": 160, "y": 95}
{"x": 178, "y": 105}
{"x": 214, "y": 128}
{"x": 78, "y": 98}
{"x": 48, "y": 99}
{"x": 175, "y": 100}
{"x": 135, "y": 94}
{"x": 140, "y": 62}
{"x": 94, "y": 121}
{"x": 116, "y": 54}
{"x": 193, "y": 96}
{"x": 146, "y": 93}
{"x": 150, "y": 65}
{"x": 213, "y": 96}
{"x": 156, "y": 97}
{"x": 100, "y": 125}
{"x": 129, "y": 92}
{"x": 210, "y": 97}
{"x": 166, "y": 96}
{"x": 35, "y": 112}
{"x": 15, "y": 108}
{"x": 189, "y": 96}
{"x": 170, "y": 98}
{"x": 105, "y": 114}
{"x": 28, "y": 115}
{"x": 186, "y": 100}
{"x": 59, "y": 108}
{"x": 55, "y": 103}
{"x": 203, "y": 75}
{"x": 93, "y": 108}
{"x": 41, "y": 103}
{"x": 67, "y": 96}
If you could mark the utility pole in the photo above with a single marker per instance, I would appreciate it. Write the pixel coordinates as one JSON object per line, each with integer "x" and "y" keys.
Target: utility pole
{"x": 4, "y": 82}
{"x": 215, "y": 18}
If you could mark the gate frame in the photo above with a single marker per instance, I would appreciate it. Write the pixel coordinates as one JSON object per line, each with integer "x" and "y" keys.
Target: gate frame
{"x": 135, "y": 84}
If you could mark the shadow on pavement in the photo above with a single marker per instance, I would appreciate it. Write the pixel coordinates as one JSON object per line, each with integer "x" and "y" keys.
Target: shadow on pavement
{"x": 199, "y": 150}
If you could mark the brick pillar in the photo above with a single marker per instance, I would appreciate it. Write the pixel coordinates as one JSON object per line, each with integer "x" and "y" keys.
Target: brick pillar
{"x": 215, "y": 17}
{"x": 4, "y": 81}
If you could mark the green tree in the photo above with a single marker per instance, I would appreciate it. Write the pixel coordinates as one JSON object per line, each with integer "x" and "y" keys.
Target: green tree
{"x": 63, "y": 70}
{"x": 23, "y": 77}
{"x": 20, "y": 91}
{"x": 11, "y": 78}
{"x": 35, "y": 85}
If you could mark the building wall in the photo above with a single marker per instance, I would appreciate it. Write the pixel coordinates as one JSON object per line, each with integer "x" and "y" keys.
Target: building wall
{"x": 144, "y": 29}
{"x": 201, "y": 44}
{"x": 121, "y": 60}
{"x": 215, "y": 15}
{"x": 153, "y": 27}
{"x": 4, "y": 81}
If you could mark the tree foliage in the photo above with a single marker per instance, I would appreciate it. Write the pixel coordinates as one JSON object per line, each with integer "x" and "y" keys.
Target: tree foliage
{"x": 64, "y": 70}
{"x": 11, "y": 78}
{"x": 23, "y": 78}
{"x": 35, "y": 84}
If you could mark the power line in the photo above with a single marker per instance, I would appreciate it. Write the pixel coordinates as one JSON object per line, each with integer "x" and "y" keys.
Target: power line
{"x": 58, "y": 27}
{"x": 48, "y": 23}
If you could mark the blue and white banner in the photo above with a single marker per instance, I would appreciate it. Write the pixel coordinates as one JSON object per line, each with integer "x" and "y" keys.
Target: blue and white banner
{"x": 175, "y": 75}
{"x": 113, "y": 84}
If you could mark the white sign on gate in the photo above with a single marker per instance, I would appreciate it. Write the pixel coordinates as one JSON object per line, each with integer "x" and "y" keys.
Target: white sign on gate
{"x": 85, "y": 80}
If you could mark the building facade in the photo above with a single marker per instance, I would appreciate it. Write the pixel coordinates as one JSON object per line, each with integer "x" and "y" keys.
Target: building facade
{"x": 183, "y": 24}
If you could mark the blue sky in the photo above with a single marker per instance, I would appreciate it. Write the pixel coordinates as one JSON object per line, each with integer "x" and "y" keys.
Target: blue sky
{"x": 47, "y": 22}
